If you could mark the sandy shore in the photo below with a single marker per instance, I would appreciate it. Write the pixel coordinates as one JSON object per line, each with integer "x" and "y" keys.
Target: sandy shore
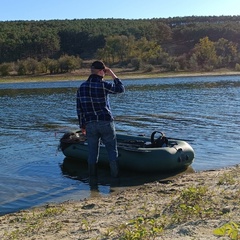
{"x": 190, "y": 206}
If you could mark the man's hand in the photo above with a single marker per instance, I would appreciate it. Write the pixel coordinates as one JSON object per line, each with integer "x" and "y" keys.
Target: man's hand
{"x": 83, "y": 131}
{"x": 109, "y": 72}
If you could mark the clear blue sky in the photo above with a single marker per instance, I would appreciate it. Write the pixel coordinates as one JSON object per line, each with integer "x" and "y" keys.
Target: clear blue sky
{"x": 128, "y": 9}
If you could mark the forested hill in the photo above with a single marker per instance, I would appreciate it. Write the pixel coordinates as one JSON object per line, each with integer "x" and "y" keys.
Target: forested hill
{"x": 175, "y": 42}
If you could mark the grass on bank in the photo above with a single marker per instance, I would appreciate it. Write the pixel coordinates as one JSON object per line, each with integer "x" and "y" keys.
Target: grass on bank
{"x": 121, "y": 73}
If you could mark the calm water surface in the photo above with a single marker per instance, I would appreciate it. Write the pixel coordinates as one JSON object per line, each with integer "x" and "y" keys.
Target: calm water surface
{"x": 203, "y": 110}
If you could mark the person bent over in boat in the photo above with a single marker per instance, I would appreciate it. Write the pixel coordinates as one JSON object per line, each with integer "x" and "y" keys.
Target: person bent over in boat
{"x": 95, "y": 116}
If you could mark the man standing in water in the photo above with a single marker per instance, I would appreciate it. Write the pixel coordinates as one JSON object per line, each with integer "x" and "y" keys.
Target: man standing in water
{"x": 95, "y": 117}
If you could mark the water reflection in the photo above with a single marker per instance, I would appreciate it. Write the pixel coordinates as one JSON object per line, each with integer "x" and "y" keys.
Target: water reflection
{"x": 77, "y": 170}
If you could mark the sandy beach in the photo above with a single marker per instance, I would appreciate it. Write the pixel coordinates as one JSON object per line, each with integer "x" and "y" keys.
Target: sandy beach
{"x": 197, "y": 205}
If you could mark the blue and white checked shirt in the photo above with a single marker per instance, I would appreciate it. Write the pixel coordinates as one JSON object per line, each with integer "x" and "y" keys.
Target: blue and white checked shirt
{"x": 93, "y": 101}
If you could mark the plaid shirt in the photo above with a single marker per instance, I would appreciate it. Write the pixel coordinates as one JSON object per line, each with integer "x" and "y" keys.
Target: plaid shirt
{"x": 93, "y": 101}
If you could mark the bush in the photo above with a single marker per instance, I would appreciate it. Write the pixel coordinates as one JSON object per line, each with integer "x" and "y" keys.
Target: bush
{"x": 69, "y": 63}
{"x": 237, "y": 67}
{"x": 136, "y": 63}
{"x": 5, "y": 69}
{"x": 32, "y": 65}
{"x": 21, "y": 68}
{"x": 148, "y": 68}
{"x": 53, "y": 66}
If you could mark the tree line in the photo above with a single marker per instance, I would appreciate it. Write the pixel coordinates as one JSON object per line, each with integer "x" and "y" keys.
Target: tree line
{"x": 167, "y": 44}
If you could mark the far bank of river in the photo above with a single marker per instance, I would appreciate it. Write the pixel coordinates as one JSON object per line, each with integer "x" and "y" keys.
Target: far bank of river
{"x": 122, "y": 74}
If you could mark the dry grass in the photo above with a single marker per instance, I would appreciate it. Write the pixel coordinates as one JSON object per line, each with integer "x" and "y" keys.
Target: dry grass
{"x": 82, "y": 74}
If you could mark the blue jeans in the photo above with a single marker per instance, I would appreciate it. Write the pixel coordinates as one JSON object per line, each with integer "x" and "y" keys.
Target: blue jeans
{"x": 105, "y": 131}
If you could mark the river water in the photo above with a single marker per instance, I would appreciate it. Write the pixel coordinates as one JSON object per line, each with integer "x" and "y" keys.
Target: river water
{"x": 205, "y": 111}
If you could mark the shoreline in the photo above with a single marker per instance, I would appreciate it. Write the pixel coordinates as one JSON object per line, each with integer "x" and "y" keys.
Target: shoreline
{"x": 190, "y": 206}
{"x": 83, "y": 75}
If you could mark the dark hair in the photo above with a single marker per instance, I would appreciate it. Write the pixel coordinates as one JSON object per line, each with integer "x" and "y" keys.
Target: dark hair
{"x": 98, "y": 65}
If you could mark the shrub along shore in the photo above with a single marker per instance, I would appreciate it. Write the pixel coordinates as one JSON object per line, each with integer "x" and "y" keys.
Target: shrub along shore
{"x": 83, "y": 74}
